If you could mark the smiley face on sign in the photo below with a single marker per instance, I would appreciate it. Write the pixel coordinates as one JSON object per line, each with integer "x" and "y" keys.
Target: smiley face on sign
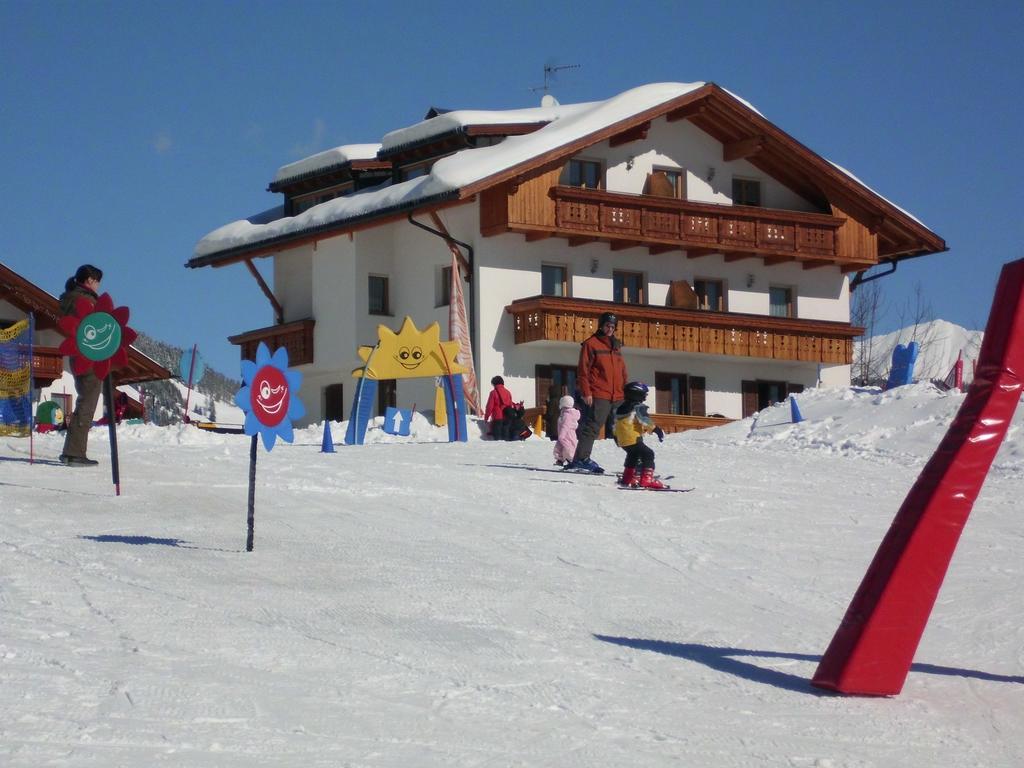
{"x": 409, "y": 359}
{"x": 270, "y": 396}
{"x": 267, "y": 396}
{"x": 97, "y": 336}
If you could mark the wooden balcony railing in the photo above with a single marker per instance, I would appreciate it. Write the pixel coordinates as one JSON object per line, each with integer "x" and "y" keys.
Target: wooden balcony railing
{"x": 550, "y": 318}
{"x": 720, "y": 228}
{"x": 296, "y": 337}
{"x": 47, "y": 365}
{"x": 662, "y": 222}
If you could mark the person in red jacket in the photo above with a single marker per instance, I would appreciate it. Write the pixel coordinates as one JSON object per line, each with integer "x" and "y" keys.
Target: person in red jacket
{"x": 601, "y": 378}
{"x": 499, "y": 399}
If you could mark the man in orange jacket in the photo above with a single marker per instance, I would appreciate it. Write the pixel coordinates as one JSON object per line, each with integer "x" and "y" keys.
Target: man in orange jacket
{"x": 601, "y": 378}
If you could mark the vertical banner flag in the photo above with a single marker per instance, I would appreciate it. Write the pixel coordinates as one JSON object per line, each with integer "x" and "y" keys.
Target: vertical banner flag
{"x": 458, "y": 330}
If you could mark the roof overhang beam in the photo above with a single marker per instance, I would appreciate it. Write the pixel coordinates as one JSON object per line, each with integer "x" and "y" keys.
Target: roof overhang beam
{"x": 636, "y": 133}
{"x": 742, "y": 149}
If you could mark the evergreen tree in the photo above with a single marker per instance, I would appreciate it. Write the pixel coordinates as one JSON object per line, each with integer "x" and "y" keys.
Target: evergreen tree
{"x": 164, "y": 401}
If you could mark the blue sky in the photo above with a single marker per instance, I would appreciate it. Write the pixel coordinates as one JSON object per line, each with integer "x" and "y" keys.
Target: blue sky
{"x": 130, "y": 130}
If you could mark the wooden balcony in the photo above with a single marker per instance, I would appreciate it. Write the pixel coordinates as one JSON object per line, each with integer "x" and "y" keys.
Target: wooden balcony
{"x": 47, "y": 365}
{"x": 664, "y": 223}
{"x": 296, "y": 337}
{"x": 550, "y": 318}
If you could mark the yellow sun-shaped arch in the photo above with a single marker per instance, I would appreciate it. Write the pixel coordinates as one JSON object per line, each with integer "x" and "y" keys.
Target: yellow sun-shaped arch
{"x": 408, "y": 354}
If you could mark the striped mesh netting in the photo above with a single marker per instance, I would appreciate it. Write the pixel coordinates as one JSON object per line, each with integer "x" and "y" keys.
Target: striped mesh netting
{"x": 16, "y": 380}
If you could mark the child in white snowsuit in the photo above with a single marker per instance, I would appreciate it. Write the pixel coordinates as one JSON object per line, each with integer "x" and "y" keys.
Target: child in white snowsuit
{"x": 568, "y": 420}
{"x": 631, "y": 424}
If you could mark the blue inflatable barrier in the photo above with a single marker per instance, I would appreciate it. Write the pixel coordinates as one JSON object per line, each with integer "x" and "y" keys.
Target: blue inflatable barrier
{"x": 398, "y": 421}
{"x": 456, "y": 407}
{"x": 902, "y": 371}
{"x": 362, "y": 407}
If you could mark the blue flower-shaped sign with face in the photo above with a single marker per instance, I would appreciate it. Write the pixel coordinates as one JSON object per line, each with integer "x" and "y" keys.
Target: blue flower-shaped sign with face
{"x": 269, "y": 396}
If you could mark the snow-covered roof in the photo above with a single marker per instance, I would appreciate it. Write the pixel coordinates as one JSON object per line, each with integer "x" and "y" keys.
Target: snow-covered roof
{"x": 326, "y": 159}
{"x": 448, "y": 122}
{"x": 468, "y": 171}
{"x": 905, "y": 212}
{"x": 568, "y": 123}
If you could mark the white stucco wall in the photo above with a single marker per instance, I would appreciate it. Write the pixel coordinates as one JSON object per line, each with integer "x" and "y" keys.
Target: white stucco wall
{"x": 682, "y": 145}
{"x": 293, "y": 281}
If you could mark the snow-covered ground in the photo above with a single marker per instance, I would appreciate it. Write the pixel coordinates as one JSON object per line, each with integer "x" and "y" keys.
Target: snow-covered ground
{"x": 200, "y": 403}
{"x": 416, "y": 603}
{"x": 940, "y": 343}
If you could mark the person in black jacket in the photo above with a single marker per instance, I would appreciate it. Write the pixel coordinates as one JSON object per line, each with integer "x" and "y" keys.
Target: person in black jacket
{"x": 85, "y": 284}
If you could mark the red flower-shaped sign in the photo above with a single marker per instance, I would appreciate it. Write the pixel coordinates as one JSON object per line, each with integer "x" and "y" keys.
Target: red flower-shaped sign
{"x": 97, "y": 336}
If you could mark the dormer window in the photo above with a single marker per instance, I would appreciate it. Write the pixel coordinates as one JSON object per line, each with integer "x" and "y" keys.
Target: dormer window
{"x": 588, "y": 174}
{"x": 300, "y": 203}
{"x": 414, "y": 171}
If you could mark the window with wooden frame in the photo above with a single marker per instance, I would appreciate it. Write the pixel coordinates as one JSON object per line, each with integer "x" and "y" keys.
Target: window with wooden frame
{"x": 746, "y": 191}
{"x": 588, "y": 174}
{"x": 628, "y": 287}
{"x": 378, "y": 295}
{"x": 780, "y": 301}
{"x": 759, "y": 394}
{"x": 554, "y": 280}
{"x": 666, "y": 182}
{"x": 711, "y": 294}
{"x": 444, "y": 287}
{"x": 334, "y": 402}
{"x": 679, "y": 393}
{"x": 561, "y": 376}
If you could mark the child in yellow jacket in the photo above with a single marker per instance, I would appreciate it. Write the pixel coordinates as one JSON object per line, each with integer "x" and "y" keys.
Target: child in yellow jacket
{"x": 631, "y": 424}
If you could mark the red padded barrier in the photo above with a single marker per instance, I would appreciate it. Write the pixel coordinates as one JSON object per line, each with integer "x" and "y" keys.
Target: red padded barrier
{"x": 874, "y": 646}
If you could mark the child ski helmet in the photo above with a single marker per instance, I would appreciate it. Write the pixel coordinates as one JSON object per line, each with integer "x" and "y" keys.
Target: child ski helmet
{"x": 607, "y": 317}
{"x": 566, "y": 402}
{"x": 636, "y": 391}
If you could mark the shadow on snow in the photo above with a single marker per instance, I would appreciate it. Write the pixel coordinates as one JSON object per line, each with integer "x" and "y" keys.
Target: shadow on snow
{"x": 726, "y": 660}
{"x": 109, "y": 538}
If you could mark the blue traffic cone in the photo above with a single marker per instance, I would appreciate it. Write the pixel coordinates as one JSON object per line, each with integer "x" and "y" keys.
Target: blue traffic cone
{"x": 794, "y": 410}
{"x": 328, "y": 444}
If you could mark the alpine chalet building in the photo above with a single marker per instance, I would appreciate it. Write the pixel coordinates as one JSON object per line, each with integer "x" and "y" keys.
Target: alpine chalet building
{"x": 725, "y": 247}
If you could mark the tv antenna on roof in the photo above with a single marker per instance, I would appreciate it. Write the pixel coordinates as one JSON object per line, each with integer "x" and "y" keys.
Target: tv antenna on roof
{"x": 549, "y": 75}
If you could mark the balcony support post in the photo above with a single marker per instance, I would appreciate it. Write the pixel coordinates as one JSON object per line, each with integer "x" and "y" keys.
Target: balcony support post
{"x": 278, "y": 309}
